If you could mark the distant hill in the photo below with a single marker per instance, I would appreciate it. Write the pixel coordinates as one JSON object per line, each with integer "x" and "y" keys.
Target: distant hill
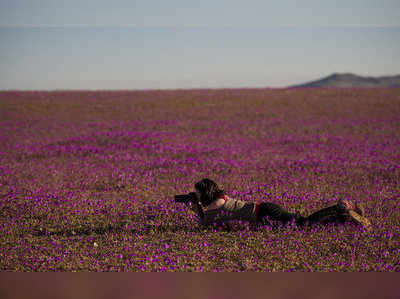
{"x": 351, "y": 80}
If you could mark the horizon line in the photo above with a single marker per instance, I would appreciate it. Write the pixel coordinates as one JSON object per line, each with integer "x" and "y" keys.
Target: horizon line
{"x": 198, "y": 26}
{"x": 294, "y": 85}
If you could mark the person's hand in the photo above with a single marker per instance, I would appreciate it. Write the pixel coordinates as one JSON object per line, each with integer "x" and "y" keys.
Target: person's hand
{"x": 196, "y": 202}
{"x": 191, "y": 204}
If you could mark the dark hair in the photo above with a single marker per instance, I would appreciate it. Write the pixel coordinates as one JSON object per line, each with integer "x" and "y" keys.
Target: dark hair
{"x": 209, "y": 191}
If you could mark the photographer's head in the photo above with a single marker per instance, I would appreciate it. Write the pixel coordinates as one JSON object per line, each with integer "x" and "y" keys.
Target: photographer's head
{"x": 208, "y": 191}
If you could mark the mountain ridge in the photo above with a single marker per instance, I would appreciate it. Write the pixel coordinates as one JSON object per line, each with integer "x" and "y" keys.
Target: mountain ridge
{"x": 344, "y": 80}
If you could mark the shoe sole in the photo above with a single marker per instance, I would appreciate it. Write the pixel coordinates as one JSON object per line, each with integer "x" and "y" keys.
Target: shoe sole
{"x": 360, "y": 219}
{"x": 359, "y": 208}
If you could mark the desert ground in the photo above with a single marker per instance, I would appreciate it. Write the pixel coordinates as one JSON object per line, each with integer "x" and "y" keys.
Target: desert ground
{"x": 87, "y": 178}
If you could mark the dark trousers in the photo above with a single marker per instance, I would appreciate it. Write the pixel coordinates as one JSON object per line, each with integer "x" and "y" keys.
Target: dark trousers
{"x": 271, "y": 211}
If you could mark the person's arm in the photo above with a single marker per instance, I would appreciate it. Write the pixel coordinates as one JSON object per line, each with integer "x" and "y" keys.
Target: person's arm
{"x": 197, "y": 208}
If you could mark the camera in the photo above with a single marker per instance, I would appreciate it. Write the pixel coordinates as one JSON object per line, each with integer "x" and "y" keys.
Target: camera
{"x": 185, "y": 198}
{"x": 191, "y": 197}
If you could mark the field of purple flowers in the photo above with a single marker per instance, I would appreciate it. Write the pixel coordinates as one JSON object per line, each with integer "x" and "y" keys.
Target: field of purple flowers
{"x": 87, "y": 179}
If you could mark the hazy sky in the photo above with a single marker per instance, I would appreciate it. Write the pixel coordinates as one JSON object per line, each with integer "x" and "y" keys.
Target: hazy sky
{"x": 49, "y": 44}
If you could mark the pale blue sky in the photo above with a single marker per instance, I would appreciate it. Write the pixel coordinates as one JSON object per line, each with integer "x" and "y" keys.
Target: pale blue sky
{"x": 201, "y": 13}
{"x": 100, "y": 44}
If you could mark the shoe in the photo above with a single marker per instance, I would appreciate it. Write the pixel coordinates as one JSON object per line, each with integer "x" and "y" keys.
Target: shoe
{"x": 347, "y": 205}
{"x": 360, "y": 220}
{"x": 359, "y": 208}
{"x": 355, "y": 211}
